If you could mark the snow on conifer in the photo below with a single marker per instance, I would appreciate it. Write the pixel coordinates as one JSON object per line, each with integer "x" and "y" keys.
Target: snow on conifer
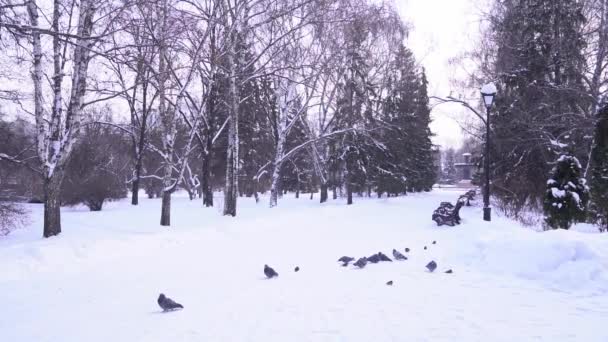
{"x": 567, "y": 194}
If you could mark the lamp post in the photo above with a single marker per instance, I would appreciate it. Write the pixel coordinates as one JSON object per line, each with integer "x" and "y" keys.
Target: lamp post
{"x": 488, "y": 92}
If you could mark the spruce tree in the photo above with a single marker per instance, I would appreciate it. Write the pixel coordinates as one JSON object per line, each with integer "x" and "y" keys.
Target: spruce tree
{"x": 539, "y": 66}
{"x": 599, "y": 167}
{"x": 567, "y": 194}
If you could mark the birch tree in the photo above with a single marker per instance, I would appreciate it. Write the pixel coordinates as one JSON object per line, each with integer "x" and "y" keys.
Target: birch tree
{"x": 73, "y": 30}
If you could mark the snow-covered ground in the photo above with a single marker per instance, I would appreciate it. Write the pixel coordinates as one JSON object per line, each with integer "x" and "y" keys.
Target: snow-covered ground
{"x": 99, "y": 280}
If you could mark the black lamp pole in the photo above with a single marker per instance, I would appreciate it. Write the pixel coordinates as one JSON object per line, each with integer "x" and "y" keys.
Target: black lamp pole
{"x": 488, "y": 92}
{"x": 487, "y": 210}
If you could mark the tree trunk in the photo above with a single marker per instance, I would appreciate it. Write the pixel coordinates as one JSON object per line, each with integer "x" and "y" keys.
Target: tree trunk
{"x": 165, "y": 214}
{"x": 334, "y": 192}
{"x": 274, "y": 187}
{"x": 323, "y": 193}
{"x": 349, "y": 195}
{"x": 255, "y": 191}
{"x": 232, "y": 185}
{"x": 52, "y": 205}
{"x": 135, "y": 190}
{"x": 206, "y": 181}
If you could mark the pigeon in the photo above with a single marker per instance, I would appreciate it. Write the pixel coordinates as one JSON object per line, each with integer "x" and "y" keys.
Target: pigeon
{"x": 383, "y": 257}
{"x": 374, "y": 258}
{"x": 407, "y": 250}
{"x": 297, "y": 268}
{"x": 398, "y": 256}
{"x": 345, "y": 260}
{"x": 434, "y": 242}
{"x": 389, "y": 283}
{"x": 167, "y": 304}
{"x": 431, "y": 266}
{"x": 269, "y": 272}
{"x": 361, "y": 262}
{"x": 449, "y": 271}
{"x": 425, "y": 248}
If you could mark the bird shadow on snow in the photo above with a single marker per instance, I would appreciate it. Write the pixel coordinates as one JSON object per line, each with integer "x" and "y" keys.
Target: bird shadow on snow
{"x": 163, "y": 312}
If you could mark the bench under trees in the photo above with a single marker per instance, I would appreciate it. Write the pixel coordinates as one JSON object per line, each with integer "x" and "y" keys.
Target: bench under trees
{"x": 468, "y": 197}
{"x": 449, "y": 214}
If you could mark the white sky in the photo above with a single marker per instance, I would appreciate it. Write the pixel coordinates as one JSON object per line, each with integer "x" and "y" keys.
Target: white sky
{"x": 441, "y": 30}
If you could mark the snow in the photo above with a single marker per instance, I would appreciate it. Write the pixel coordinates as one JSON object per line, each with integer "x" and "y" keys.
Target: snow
{"x": 99, "y": 280}
{"x": 558, "y": 144}
{"x": 489, "y": 88}
{"x": 557, "y": 193}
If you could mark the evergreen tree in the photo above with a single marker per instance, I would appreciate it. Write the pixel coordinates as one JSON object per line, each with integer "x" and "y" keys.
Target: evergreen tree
{"x": 599, "y": 167}
{"x": 539, "y": 66}
{"x": 567, "y": 194}
{"x": 423, "y": 156}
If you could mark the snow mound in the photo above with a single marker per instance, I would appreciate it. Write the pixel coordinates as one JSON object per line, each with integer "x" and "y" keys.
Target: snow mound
{"x": 553, "y": 257}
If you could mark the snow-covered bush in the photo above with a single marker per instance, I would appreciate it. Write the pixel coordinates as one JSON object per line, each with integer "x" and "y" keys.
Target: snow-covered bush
{"x": 11, "y": 217}
{"x": 567, "y": 194}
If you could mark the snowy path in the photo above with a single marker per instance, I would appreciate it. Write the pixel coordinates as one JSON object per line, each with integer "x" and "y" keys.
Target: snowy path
{"x": 100, "y": 279}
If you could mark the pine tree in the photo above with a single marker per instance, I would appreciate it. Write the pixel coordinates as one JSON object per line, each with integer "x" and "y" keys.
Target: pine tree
{"x": 599, "y": 167}
{"x": 567, "y": 194}
{"x": 424, "y": 162}
{"x": 539, "y": 66}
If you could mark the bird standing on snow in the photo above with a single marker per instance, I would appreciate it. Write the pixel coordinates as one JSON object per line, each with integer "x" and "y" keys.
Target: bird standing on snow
{"x": 398, "y": 256}
{"x": 374, "y": 258}
{"x": 431, "y": 266}
{"x": 269, "y": 272}
{"x": 345, "y": 260}
{"x": 167, "y": 304}
{"x": 383, "y": 257}
{"x": 407, "y": 250}
{"x": 361, "y": 262}
{"x": 297, "y": 268}
{"x": 389, "y": 283}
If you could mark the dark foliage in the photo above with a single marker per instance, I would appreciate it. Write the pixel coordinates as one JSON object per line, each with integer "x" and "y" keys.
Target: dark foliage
{"x": 97, "y": 170}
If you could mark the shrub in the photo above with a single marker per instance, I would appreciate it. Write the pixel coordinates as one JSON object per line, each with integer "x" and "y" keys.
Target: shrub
{"x": 567, "y": 194}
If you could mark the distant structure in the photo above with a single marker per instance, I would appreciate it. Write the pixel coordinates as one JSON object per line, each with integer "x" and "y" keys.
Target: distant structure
{"x": 437, "y": 162}
{"x": 465, "y": 168}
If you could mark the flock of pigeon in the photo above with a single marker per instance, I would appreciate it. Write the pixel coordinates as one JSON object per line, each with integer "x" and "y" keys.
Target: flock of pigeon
{"x": 167, "y": 304}
{"x": 379, "y": 257}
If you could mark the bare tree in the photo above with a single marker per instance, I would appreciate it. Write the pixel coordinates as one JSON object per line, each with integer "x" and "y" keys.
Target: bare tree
{"x": 74, "y": 29}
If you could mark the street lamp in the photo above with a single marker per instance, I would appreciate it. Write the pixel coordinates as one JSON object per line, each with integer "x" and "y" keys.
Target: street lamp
{"x": 488, "y": 92}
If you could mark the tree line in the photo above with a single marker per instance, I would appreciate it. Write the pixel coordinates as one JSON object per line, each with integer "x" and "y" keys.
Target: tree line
{"x": 242, "y": 96}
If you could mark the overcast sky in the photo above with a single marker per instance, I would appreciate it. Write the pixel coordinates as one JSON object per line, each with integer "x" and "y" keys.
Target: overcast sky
{"x": 441, "y": 29}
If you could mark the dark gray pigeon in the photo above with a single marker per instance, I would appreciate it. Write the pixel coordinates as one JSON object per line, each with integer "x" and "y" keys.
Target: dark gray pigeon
{"x": 383, "y": 257}
{"x": 389, "y": 283}
{"x": 297, "y": 268}
{"x": 167, "y": 304}
{"x": 449, "y": 271}
{"x": 434, "y": 242}
{"x": 345, "y": 260}
{"x": 269, "y": 272}
{"x": 431, "y": 266}
{"x": 398, "y": 256}
{"x": 425, "y": 248}
{"x": 374, "y": 258}
{"x": 361, "y": 262}
{"x": 407, "y": 250}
